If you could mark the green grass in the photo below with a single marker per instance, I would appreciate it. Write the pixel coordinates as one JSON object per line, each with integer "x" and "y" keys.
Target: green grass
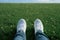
{"x": 11, "y": 13}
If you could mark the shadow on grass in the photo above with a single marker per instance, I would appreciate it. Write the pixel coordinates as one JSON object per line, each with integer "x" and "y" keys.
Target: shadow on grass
{"x": 30, "y": 34}
{"x": 7, "y": 35}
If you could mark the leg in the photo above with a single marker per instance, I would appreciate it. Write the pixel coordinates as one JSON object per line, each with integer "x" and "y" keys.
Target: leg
{"x": 20, "y": 36}
{"x": 41, "y": 36}
{"x": 21, "y": 30}
{"x": 39, "y": 33}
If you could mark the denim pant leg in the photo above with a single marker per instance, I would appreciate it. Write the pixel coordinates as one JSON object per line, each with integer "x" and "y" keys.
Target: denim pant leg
{"x": 20, "y": 35}
{"x": 41, "y": 36}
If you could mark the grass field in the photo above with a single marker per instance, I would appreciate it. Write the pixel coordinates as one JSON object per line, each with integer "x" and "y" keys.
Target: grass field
{"x": 11, "y": 13}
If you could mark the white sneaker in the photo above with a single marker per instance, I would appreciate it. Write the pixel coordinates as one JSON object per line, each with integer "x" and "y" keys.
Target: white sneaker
{"x": 21, "y": 25}
{"x": 38, "y": 25}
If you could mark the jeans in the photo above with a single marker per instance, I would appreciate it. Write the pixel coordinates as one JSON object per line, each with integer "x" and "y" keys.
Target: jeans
{"x": 41, "y": 36}
{"x": 20, "y": 35}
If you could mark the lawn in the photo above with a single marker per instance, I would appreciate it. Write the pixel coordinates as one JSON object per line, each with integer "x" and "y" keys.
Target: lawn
{"x": 11, "y": 13}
